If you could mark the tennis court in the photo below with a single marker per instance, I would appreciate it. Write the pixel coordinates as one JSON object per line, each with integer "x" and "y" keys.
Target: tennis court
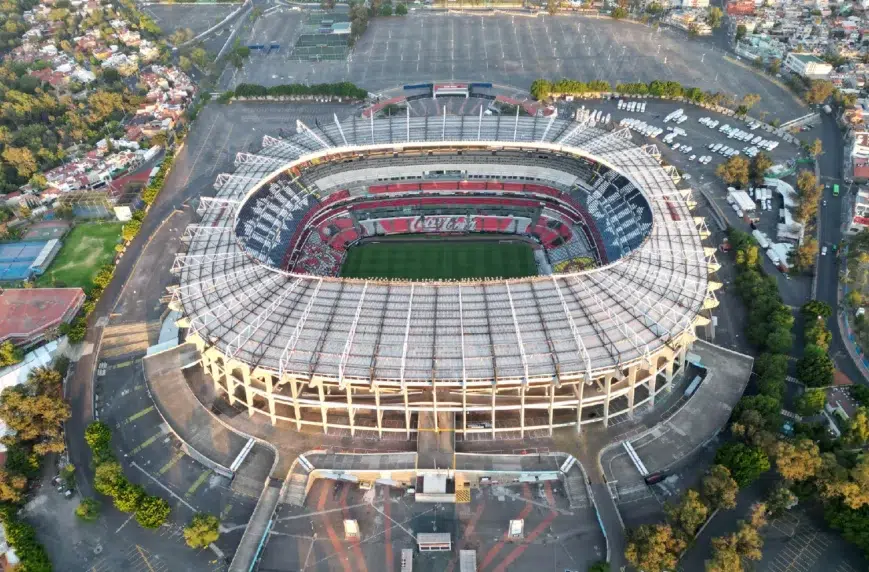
{"x": 441, "y": 260}
{"x": 85, "y": 250}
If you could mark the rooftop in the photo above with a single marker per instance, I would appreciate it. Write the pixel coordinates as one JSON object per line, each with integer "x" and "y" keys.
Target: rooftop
{"x": 30, "y": 311}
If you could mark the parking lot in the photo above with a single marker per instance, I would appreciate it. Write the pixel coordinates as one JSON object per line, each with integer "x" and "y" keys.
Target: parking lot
{"x": 702, "y": 177}
{"x": 196, "y": 17}
{"x": 512, "y": 50}
{"x": 312, "y": 537}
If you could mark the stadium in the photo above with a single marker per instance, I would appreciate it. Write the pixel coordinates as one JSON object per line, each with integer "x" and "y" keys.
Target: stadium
{"x": 489, "y": 274}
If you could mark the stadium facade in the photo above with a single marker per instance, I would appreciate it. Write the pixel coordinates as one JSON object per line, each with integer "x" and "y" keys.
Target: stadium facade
{"x": 623, "y": 276}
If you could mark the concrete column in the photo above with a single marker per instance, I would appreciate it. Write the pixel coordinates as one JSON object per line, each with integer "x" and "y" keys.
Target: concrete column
{"x": 350, "y": 413}
{"x": 230, "y": 383}
{"x": 606, "y": 404}
{"x": 406, "y": 413}
{"x": 324, "y": 414}
{"x": 551, "y": 392}
{"x": 632, "y": 388}
{"x": 215, "y": 377}
{"x": 522, "y": 390}
{"x": 297, "y": 411}
{"x": 464, "y": 408}
{"x": 579, "y": 390}
{"x": 248, "y": 390}
{"x": 267, "y": 379}
{"x": 494, "y": 393}
{"x": 379, "y": 411}
{"x": 669, "y": 376}
{"x": 434, "y": 401}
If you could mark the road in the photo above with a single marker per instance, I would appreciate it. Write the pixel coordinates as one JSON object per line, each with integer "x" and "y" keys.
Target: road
{"x": 830, "y": 221}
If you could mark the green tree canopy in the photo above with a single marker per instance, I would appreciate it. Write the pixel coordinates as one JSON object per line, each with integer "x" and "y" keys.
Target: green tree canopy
{"x": 745, "y": 463}
{"x": 815, "y": 368}
{"x": 152, "y": 512}
{"x": 653, "y": 548}
{"x": 202, "y": 530}
{"x": 719, "y": 488}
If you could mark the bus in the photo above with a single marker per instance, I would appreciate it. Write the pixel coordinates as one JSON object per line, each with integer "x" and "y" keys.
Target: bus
{"x": 835, "y": 190}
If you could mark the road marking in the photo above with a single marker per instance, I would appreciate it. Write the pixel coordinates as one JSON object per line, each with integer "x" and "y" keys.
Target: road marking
{"x": 388, "y": 530}
{"x": 140, "y": 414}
{"x": 164, "y": 487}
{"x": 225, "y": 512}
{"x": 125, "y": 523}
{"x": 522, "y": 516}
{"x": 147, "y": 442}
{"x": 198, "y": 483}
{"x": 333, "y": 538}
{"x": 144, "y": 558}
{"x": 171, "y": 462}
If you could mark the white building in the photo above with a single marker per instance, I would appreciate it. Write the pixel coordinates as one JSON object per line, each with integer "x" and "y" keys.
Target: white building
{"x": 807, "y": 65}
{"x": 695, "y": 3}
{"x": 859, "y": 213}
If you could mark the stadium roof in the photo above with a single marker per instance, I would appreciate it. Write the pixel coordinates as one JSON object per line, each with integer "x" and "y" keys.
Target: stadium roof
{"x": 568, "y": 325}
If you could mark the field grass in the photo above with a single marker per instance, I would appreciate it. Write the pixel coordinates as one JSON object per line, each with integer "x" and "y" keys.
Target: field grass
{"x": 85, "y": 249}
{"x": 440, "y": 260}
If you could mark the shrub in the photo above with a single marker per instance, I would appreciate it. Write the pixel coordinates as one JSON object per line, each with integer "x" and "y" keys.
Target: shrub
{"x": 152, "y": 512}
{"x": 88, "y": 510}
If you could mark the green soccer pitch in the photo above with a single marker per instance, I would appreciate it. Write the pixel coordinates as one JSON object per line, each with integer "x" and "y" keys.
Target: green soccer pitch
{"x": 441, "y": 260}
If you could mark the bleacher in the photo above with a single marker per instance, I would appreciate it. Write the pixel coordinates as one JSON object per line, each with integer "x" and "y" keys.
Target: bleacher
{"x": 599, "y": 216}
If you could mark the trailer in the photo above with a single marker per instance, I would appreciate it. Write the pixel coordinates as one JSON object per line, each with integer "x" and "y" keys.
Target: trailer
{"x": 761, "y": 239}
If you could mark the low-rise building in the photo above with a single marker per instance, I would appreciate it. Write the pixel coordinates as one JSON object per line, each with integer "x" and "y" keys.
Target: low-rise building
{"x": 32, "y": 313}
{"x": 859, "y": 215}
{"x": 807, "y": 65}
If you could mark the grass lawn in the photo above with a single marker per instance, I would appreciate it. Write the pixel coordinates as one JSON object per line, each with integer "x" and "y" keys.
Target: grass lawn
{"x": 85, "y": 249}
{"x": 440, "y": 260}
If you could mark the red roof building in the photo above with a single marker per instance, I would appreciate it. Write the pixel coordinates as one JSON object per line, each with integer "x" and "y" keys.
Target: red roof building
{"x": 30, "y": 313}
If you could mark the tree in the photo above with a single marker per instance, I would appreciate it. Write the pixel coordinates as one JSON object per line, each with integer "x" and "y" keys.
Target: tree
{"x": 779, "y": 500}
{"x": 128, "y": 497}
{"x": 816, "y": 309}
{"x": 202, "y": 530}
{"x": 653, "y": 548}
{"x": 780, "y": 341}
{"x": 714, "y": 17}
{"x": 109, "y": 479}
{"x": 619, "y": 13}
{"x": 750, "y": 100}
{"x": 103, "y": 105}
{"x": 741, "y": 31}
{"x": 688, "y": 515}
{"x": 719, "y": 488}
{"x": 806, "y": 254}
{"x": 797, "y": 461}
{"x": 553, "y": 6}
{"x": 200, "y": 57}
{"x": 746, "y": 463}
{"x": 21, "y": 159}
{"x": 35, "y": 410}
{"x": 401, "y": 10}
{"x": 152, "y": 512}
{"x": 749, "y": 544}
{"x": 185, "y": 64}
{"x": 809, "y": 192}
{"x": 815, "y": 368}
{"x": 11, "y": 486}
{"x": 9, "y": 354}
{"x": 725, "y": 557}
{"x": 385, "y": 9}
{"x": 327, "y": 4}
{"x": 599, "y": 566}
{"x": 88, "y": 510}
{"x": 858, "y": 428}
{"x": 811, "y": 402}
{"x": 758, "y": 166}
{"x": 815, "y": 148}
{"x": 819, "y": 90}
{"x": 734, "y": 171}
{"x": 774, "y": 66}
{"x": 98, "y": 435}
